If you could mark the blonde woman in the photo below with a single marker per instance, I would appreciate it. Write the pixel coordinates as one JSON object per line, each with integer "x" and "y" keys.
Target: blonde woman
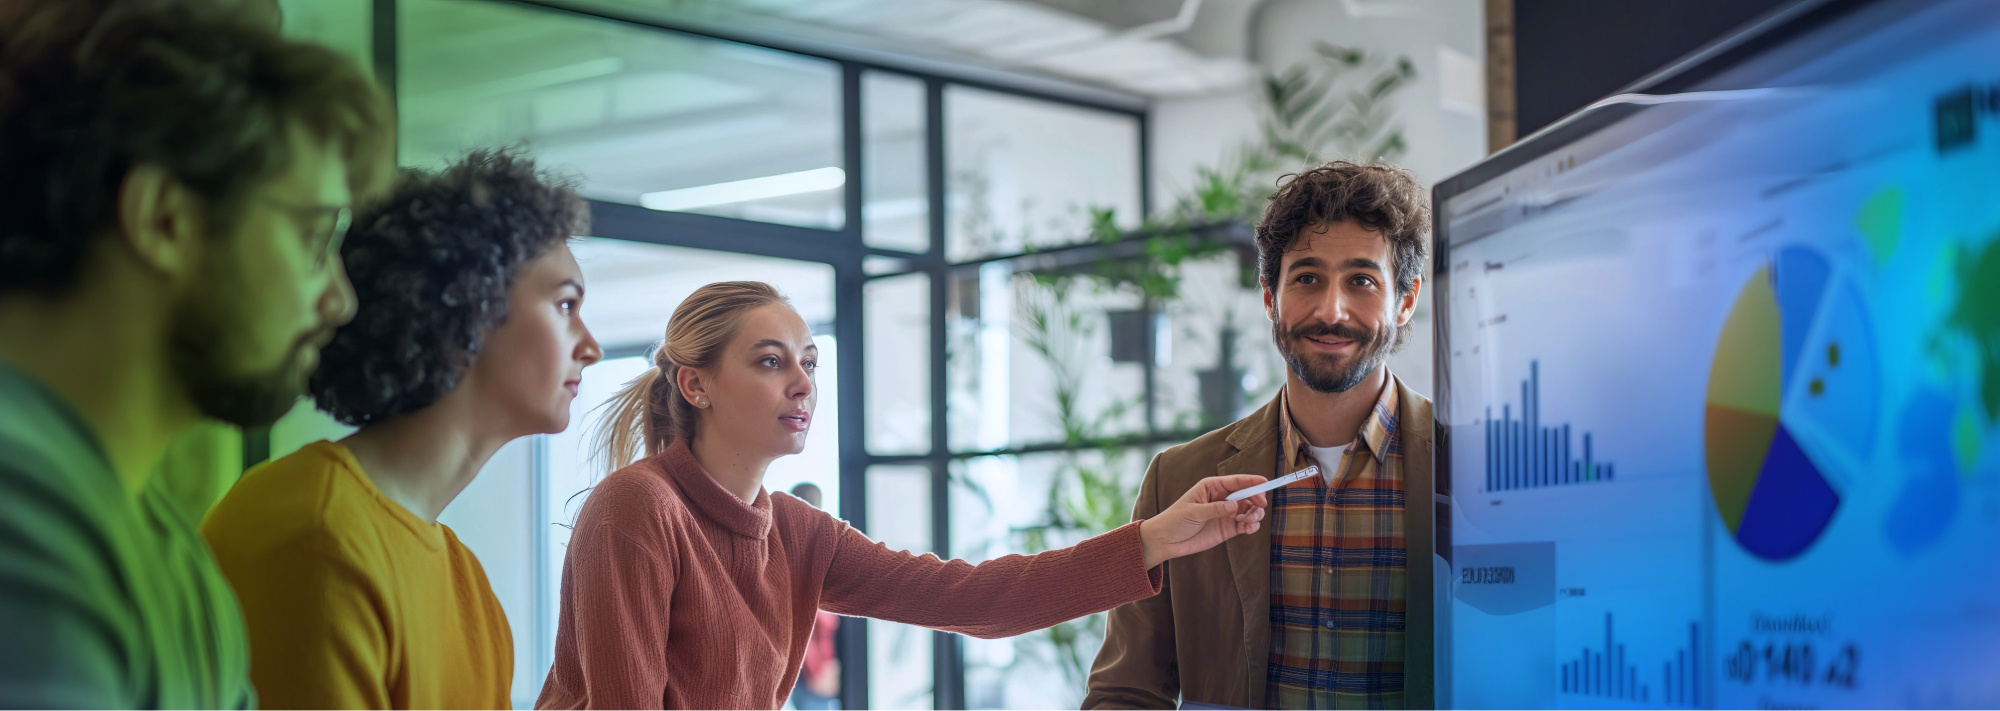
{"x": 687, "y": 585}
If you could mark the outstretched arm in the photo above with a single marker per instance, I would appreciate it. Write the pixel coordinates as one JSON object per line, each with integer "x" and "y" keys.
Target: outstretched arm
{"x": 1020, "y": 593}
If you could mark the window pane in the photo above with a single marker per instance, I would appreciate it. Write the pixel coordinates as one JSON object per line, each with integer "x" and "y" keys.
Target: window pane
{"x": 1031, "y": 361}
{"x": 1030, "y": 504}
{"x": 644, "y": 116}
{"x": 1024, "y": 173}
{"x": 1216, "y": 310}
{"x": 345, "y": 27}
{"x": 899, "y": 656}
{"x": 899, "y": 364}
{"x": 875, "y": 264}
{"x": 634, "y": 287}
{"x": 897, "y": 208}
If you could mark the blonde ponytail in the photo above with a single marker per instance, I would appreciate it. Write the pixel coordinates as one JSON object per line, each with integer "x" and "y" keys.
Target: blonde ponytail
{"x": 649, "y": 414}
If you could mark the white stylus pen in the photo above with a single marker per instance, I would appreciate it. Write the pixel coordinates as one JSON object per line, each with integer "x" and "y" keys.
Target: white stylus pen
{"x": 1241, "y": 494}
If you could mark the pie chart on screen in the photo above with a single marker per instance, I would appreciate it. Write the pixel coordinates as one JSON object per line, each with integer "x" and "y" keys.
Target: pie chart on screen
{"x": 1795, "y": 356}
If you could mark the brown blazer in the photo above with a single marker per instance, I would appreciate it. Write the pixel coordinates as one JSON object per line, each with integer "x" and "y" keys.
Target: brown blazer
{"x": 1207, "y": 636}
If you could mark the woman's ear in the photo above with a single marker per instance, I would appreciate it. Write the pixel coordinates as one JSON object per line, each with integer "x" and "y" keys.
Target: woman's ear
{"x": 691, "y": 386}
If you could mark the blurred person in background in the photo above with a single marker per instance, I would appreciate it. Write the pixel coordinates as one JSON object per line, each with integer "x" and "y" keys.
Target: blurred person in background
{"x": 174, "y": 187}
{"x": 470, "y": 335}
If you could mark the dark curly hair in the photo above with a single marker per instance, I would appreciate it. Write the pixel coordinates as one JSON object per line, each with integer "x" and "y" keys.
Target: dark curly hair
{"x": 1387, "y": 200}
{"x": 431, "y": 267}
{"x": 89, "y": 89}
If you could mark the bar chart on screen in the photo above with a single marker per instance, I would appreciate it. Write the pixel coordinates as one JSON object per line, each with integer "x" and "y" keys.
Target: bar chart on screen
{"x": 1524, "y": 452}
{"x": 1611, "y": 673}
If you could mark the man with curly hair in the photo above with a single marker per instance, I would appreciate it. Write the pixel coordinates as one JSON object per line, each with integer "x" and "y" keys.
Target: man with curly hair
{"x": 1306, "y": 613}
{"x": 469, "y": 336}
{"x": 174, "y": 187}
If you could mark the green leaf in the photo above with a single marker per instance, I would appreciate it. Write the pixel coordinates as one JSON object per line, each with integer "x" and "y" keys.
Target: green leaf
{"x": 1385, "y": 84}
{"x": 1345, "y": 55}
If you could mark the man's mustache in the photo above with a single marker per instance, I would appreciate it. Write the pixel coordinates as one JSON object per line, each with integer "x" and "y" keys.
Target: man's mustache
{"x": 1336, "y": 330}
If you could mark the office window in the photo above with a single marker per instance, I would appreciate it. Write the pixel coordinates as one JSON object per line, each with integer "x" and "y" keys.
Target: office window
{"x": 1023, "y": 173}
{"x": 1218, "y": 309}
{"x": 1038, "y": 362}
{"x": 899, "y": 364}
{"x": 1028, "y": 504}
{"x": 900, "y": 661}
{"x": 896, "y": 212}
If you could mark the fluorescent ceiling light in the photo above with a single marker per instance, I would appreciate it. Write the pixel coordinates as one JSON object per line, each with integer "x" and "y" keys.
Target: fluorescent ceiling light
{"x": 770, "y": 186}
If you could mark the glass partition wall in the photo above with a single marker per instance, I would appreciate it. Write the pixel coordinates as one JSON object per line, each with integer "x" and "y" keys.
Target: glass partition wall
{"x": 985, "y": 390}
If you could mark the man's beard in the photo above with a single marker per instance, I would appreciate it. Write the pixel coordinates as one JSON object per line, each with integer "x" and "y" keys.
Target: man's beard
{"x": 1330, "y": 373}
{"x": 202, "y": 352}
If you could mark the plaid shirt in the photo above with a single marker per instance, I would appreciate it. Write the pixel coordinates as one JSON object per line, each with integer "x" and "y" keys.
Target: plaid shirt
{"x": 1338, "y": 578}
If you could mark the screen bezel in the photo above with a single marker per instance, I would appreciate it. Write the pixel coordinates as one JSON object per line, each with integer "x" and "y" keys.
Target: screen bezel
{"x": 1776, "y": 28}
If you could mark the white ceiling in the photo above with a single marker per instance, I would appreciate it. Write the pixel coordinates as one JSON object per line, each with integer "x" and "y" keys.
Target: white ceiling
{"x": 1036, "y": 38}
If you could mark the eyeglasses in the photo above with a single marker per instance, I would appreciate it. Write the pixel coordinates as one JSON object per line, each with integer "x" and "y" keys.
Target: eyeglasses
{"x": 325, "y": 226}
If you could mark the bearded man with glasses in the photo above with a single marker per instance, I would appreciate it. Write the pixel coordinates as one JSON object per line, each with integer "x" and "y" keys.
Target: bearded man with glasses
{"x": 174, "y": 186}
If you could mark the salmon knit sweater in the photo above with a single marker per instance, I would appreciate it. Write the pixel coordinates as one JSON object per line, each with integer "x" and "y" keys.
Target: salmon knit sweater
{"x": 676, "y": 594}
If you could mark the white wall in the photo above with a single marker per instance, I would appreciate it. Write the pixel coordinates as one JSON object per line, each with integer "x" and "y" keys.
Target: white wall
{"x": 1445, "y": 129}
{"x": 1442, "y": 140}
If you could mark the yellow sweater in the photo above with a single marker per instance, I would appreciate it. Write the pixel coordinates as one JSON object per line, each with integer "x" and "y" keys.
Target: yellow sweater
{"x": 352, "y": 601}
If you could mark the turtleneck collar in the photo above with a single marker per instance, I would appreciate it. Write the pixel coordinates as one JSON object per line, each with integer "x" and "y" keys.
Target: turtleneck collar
{"x": 709, "y": 499}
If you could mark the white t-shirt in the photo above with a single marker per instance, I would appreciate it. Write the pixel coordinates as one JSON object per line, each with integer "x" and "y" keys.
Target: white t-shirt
{"x": 1329, "y": 459}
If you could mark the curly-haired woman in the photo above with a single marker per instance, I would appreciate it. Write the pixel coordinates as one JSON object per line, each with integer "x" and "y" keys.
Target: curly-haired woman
{"x": 467, "y": 337}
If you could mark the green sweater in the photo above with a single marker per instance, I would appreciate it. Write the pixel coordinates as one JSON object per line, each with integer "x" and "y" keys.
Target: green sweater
{"x": 106, "y": 600}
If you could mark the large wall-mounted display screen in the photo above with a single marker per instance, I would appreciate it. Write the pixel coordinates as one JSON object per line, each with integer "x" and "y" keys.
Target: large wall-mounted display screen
{"x": 1721, "y": 378}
